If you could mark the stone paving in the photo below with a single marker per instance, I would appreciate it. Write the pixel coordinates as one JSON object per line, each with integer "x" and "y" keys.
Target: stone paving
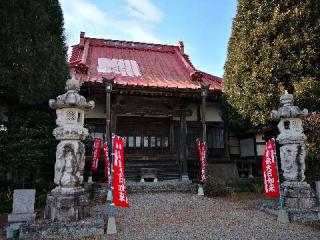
{"x": 187, "y": 216}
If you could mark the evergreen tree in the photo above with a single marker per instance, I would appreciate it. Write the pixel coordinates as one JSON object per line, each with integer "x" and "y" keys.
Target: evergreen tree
{"x": 33, "y": 53}
{"x": 27, "y": 148}
{"x": 33, "y": 69}
{"x": 275, "y": 45}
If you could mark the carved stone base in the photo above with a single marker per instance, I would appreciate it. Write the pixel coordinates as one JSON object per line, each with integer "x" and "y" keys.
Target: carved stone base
{"x": 298, "y": 195}
{"x": 92, "y": 227}
{"x": 62, "y": 206}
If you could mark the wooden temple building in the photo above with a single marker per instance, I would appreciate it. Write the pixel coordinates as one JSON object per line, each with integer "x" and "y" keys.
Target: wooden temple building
{"x": 154, "y": 97}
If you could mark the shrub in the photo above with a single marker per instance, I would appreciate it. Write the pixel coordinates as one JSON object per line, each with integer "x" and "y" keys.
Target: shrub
{"x": 6, "y": 195}
{"x": 249, "y": 185}
{"x": 215, "y": 187}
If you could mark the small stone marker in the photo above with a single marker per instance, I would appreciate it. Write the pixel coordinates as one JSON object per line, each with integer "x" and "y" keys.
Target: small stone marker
{"x": 109, "y": 195}
{"x": 111, "y": 228}
{"x": 200, "y": 190}
{"x": 283, "y": 216}
{"x": 22, "y": 210}
{"x": 23, "y": 206}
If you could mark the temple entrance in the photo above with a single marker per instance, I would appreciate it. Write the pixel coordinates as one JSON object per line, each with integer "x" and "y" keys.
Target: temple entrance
{"x": 146, "y": 137}
{"x": 149, "y": 143}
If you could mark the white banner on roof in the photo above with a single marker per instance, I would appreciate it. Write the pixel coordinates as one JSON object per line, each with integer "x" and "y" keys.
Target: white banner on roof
{"x": 118, "y": 66}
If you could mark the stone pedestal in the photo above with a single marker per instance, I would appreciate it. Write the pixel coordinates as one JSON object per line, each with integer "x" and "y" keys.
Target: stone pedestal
{"x": 92, "y": 227}
{"x": 67, "y": 206}
{"x": 298, "y": 195}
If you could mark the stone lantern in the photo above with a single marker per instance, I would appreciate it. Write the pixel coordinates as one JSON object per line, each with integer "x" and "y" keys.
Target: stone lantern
{"x": 296, "y": 193}
{"x": 68, "y": 201}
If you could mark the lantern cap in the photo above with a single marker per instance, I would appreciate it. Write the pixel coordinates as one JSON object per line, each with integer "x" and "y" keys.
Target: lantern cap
{"x": 287, "y": 109}
{"x": 72, "y": 98}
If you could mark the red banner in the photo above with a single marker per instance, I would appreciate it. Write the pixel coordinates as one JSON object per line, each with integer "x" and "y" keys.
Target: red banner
{"x": 270, "y": 171}
{"x": 95, "y": 153}
{"x": 202, "y": 148}
{"x": 107, "y": 162}
{"x": 119, "y": 183}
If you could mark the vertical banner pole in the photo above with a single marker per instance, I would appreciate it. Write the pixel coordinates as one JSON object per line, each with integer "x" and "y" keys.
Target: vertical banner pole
{"x": 203, "y": 146}
{"x": 108, "y": 90}
{"x": 108, "y": 157}
{"x": 111, "y": 228}
{"x": 277, "y": 167}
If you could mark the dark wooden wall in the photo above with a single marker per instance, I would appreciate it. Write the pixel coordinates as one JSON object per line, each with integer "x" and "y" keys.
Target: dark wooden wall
{"x": 141, "y": 118}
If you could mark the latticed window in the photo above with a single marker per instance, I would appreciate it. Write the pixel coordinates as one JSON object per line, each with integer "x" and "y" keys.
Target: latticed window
{"x": 215, "y": 138}
{"x": 146, "y": 141}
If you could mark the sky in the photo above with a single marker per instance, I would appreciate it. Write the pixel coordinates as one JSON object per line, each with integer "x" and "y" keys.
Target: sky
{"x": 203, "y": 25}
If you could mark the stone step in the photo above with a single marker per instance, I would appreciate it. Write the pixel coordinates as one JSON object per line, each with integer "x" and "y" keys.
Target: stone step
{"x": 161, "y": 186}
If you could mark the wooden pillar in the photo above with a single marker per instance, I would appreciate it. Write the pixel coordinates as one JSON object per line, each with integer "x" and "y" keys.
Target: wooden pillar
{"x": 108, "y": 90}
{"x": 183, "y": 147}
{"x": 226, "y": 140}
{"x": 204, "y": 95}
{"x": 113, "y": 121}
{"x": 171, "y": 135}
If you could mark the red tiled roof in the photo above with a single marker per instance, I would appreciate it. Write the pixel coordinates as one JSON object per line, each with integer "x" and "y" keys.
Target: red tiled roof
{"x": 137, "y": 64}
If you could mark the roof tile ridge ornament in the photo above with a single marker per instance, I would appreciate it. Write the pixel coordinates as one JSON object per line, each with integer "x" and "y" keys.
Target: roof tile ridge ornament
{"x": 287, "y": 109}
{"x": 196, "y": 76}
{"x": 72, "y": 98}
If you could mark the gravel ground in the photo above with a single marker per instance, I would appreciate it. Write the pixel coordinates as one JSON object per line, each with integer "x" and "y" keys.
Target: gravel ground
{"x": 187, "y": 216}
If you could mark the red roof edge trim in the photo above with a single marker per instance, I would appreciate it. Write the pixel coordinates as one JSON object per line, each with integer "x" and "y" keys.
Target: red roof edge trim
{"x": 186, "y": 63}
{"x": 73, "y": 64}
{"x": 85, "y": 53}
{"x": 211, "y": 77}
{"x": 75, "y": 53}
{"x": 186, "y": 57}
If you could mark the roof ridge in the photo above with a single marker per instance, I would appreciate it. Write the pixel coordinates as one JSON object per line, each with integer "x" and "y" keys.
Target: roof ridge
{"x": 124, "y": 41}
